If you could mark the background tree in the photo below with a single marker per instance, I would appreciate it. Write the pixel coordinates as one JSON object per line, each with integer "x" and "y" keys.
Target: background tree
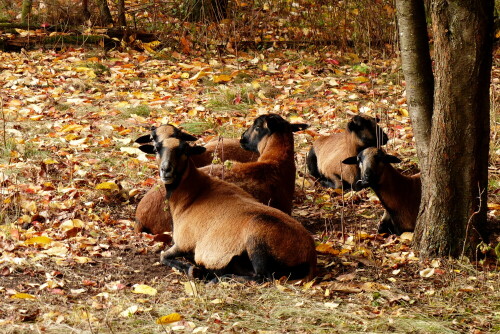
{"x": 206, "y": 10}
{"x": 85, "y": 9}
{"x": 452, "y": 132}
{"x": 105, "y": 13}
{"x": 121, "y": 20}
{"x": 26, "y": 10}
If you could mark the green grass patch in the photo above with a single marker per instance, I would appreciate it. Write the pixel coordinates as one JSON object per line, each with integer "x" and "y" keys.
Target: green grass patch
{"x": 140, "y": 110}
{"x": 99, "y": 68}
{"x": 198, "y": 127}
{"x": 227, "y": 99}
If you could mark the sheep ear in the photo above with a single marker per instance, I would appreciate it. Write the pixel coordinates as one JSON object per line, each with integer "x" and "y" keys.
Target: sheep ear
{"x": 150, "y": 149}
{"x": 377, "y": 119}
{"x": 143, "y": 139}
{"x": 351, "y": 161}
{"x": 195, "y": 150}
{"x": 352, "y": 126}
{"x": 185, "y": 136}
{"x": 299, "y": 127}
{"x": 391, "y": 159}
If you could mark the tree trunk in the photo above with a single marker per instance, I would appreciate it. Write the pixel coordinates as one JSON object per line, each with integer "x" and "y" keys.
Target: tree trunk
{"x": 122, "y": 22}
{"x": 206, "y": 10}
{"x": 85, "y": 10}
{"x": 26, "y": 10}
{"x": 105, "y": 14}
{"x": 417, "y": 69}
{"x": 455, "y": 180}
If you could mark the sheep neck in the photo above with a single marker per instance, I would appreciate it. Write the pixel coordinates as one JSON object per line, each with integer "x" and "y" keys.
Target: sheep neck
{"x": 190, "y": 184}
{"x": 392, "y": 188}
{"x": 278, "y": 147}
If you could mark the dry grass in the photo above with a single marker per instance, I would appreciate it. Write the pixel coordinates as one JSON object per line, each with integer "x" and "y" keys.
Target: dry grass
{"x": 375, "y": 285}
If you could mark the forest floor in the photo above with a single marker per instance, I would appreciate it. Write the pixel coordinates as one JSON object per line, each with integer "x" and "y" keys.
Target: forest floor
{"x": 71, "y": 177}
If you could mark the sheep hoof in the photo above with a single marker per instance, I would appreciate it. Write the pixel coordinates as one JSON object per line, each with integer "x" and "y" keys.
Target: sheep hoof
{"x": 195, "y": 272}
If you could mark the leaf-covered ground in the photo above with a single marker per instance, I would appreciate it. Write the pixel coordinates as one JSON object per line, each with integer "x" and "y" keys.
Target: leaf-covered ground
{"x": 71, "y": 177}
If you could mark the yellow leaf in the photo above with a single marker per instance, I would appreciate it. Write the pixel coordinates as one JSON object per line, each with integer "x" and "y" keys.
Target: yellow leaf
{"x": 327, "y": 249}
{"x": 185, "y": 75}
{"x": 308, "y": 285}
{"x": 82, "y": 259}
{"x": 199, "y": 75}
{"x": 168, "y": 319}
{"x": 49, "y": 161}
{"x": 107, "y": 186}
{"x": 361, "y": 79}
{"x": 493, "y": 206}
{"x": 403, "y": 112}
{"x": 23, "y": 296}
{"x": 70, "y": 224}
{"x": 221, "y": 78}
{"x": 38, "y": 241}
{"x": 190, "y": 289}
{"x": 71, "y": 136}
{"x": 72, "y": 128}
{"x": 144, "y": 289}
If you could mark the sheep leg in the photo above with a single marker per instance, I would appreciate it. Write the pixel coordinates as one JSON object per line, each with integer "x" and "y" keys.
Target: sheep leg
{"x": 386, "y": 224}
{"x": 168, "y": 258}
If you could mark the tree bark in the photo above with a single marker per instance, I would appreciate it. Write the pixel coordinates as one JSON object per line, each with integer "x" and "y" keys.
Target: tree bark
{"x": 455, "y": 180}
{"x": 122, "y": 22}
{"x": 26, "y": 10}
{"x": 85, "y": 10}
{"x": 417, "y": 69}
{"x": 206, "y": 10}
{"x": 105, "y": 13}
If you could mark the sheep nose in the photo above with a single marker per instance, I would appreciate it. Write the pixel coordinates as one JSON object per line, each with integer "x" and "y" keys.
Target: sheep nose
{"x": 167, "y": 169}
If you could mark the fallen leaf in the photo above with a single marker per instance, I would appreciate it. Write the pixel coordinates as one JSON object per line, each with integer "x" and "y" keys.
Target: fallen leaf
{"x": 41, "y": 240}
{"x": 190, "y": 289}
{"x": 22, "y": 296}
{"x": 107, "y": 186}
{"x": 144, "y": 289}
{"x": 221, "y": 78}
{"x": 428, "y": 272}
{"x": 129, "y": 311}
{"x": 168, "y": 319}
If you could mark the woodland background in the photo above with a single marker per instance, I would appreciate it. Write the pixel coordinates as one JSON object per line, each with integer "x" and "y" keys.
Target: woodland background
{"x": 76, "y": 92}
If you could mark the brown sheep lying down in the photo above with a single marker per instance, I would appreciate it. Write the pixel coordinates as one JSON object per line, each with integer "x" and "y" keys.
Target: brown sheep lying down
{"x": 399, "y": 194}
{"x": 270, "y": 179}
{"x": 152, "y": 214}
{"x": 224, "y": 229}
{"x": 324, "y": 160}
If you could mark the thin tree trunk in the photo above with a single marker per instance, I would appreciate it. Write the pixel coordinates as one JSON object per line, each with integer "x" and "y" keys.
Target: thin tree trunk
{"x": 26, "y": 10}
{"x": 122, "y": 22}
{"x": 85, "y": 9}
{"x": 206, "y": 10}
{"x": 455, "y": 179}
{"x": 417, "y": 69}
{"x": 105, "y": 14}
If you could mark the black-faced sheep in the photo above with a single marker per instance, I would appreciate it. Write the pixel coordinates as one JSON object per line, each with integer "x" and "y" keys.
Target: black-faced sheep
{"x": 324, "y": 160}
{"x": 152, "y": 214}
{"x": 221, "y": 226}
{"x": 399, "y": 194}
